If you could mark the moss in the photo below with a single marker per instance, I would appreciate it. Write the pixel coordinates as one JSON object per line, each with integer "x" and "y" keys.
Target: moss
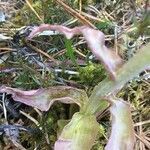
{"x": 91, "y": 74}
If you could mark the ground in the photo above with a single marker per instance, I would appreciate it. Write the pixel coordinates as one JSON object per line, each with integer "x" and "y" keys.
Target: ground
{"x": 33, "y": 64}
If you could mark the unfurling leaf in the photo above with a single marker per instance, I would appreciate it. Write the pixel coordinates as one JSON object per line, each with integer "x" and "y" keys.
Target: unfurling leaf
{"x": 79, "y": 134}
{"x": 122, "y": 132}
{"x": 95, "y": 40}
{"x": 44, "y": 98}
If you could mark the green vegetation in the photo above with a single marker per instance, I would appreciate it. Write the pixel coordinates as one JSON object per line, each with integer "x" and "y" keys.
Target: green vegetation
{"x": 126, "y": 28}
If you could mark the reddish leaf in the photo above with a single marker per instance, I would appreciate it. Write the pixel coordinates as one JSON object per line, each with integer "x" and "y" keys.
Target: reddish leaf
{"x": 95, "y": 40}
{"x": 122, "y": 132}
{"x": 44, "y": 98}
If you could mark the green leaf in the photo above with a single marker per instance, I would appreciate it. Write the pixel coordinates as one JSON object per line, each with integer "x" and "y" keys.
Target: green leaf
{"x": 70, "y": 50}
{"x": 79, "y": 134}
{"x": 104, "y": 25}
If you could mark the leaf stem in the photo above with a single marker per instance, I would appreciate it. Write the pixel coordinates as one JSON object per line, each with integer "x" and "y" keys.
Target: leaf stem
{"x": 127, "y": 72}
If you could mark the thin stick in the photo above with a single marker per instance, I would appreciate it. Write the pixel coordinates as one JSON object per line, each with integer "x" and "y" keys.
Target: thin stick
{"x": 4, "y": 108}
{"x": 31, "y": 118}
{"x": 142, "y": 123}
{"x": 5, "y": 52}
{"x": 143, "y": 140}
{"x": 28, "y": 3}
{"x": 43, "y": 53}
{"x": 6, "y": 48}
{"x": 91, "y": 17}
{"x": 75, "y": 14}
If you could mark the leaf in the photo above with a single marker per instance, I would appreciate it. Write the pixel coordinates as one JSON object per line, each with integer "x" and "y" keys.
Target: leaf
{"x": 70, "y": 50}
{"x": 44, "y": 98}
{"x": 105, "y": 24}
{"x": 95, "y": 40}
{"x": 122, "y": 132}
{"x": 61, "y": 124}
{"x": 79, "y": 134}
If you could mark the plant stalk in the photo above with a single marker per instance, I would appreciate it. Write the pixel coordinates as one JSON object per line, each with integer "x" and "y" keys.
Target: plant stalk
{"x": 128, "y": 71}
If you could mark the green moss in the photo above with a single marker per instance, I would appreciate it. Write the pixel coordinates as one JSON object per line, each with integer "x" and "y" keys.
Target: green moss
{"x": 91, "y": 74}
